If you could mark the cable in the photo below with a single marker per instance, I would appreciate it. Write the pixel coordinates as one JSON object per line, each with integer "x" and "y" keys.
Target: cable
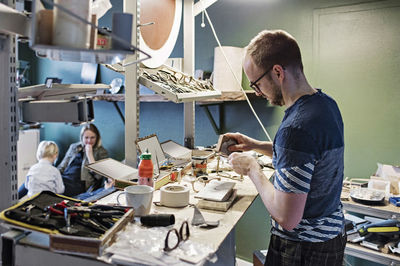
{"x": 231, "y": 69}
{"x": 346, "y": 262}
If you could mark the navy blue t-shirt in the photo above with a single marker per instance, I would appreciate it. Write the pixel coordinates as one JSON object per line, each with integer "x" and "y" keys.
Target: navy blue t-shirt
{"x": 308, "y": 157}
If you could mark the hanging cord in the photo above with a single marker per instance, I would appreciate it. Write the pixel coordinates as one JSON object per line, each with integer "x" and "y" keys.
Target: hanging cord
{"x": 231, "y": 69}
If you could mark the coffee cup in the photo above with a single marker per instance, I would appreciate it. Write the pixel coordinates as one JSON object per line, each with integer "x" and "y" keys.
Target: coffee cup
{"x": 139, "y": 197}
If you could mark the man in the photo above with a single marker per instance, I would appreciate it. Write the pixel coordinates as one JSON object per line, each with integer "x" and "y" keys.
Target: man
{"x": 304, "y": 196}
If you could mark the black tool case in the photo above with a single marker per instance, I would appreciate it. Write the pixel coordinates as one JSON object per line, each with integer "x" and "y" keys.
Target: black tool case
{"x": 85, "y": 231}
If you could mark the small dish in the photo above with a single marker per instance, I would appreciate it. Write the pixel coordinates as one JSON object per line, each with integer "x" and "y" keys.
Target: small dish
{"x": 367, "y": 196}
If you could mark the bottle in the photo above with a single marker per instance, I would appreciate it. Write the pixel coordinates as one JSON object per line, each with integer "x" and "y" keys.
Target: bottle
{"x": 146, "y": 169}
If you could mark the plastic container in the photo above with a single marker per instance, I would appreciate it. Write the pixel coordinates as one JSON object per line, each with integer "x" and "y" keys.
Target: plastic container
{"x": 146, "y": 170}
{"x": 69, "y": 31}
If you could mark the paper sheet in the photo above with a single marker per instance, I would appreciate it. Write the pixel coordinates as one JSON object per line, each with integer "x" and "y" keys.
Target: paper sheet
{"x": 385, "y": 170}
{"x": 223, "y": 77}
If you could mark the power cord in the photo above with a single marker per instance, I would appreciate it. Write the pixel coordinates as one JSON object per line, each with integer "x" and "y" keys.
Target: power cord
{"x": 231, "y": 69}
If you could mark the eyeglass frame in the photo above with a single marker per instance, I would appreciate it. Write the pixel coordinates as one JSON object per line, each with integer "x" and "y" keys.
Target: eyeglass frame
{"x": 253, "y": 84}
{"x": 179, "y": 235}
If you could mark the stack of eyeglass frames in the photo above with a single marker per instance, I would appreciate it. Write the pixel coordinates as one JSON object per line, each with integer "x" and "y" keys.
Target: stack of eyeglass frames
{"x": 175, "y": 81}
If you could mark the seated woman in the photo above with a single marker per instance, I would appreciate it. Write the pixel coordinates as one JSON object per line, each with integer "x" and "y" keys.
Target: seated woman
{"x": 76, "y": 177}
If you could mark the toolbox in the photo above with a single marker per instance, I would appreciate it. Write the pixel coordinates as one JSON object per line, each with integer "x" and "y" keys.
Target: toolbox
{"x": 73, "y": 226}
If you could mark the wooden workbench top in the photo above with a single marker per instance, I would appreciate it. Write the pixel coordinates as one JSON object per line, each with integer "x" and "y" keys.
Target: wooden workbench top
{"x": 213, "y": 237}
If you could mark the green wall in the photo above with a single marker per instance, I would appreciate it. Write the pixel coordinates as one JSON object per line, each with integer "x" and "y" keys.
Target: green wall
{"x": 368, "y": 96}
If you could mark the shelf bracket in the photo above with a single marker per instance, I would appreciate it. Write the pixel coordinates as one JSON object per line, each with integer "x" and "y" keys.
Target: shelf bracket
{"x": 119, "y": 111}
{"x": 221, "y": 129}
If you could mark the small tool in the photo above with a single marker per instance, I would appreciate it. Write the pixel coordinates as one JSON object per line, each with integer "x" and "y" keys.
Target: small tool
{"x": 28, "y": 209}
{"x": 68, "y": 228}
{"x": 388, "y": 227}
{"x": 198, "y": 220}
{"x": 87, "y": 212}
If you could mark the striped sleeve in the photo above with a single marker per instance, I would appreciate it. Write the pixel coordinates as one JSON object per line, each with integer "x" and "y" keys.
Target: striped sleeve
{"x": 294, "y": 179}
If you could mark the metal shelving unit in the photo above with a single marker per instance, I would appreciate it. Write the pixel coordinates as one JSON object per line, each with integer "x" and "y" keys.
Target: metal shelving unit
{"x": 79, "y": 55}
{"x": 8, "y": 105}
{"x": 98, "y": 56}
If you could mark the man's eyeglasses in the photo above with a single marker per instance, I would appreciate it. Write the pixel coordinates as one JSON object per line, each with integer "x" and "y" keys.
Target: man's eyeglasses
{"x": 182, "y": 235}
{"x": 254, "y": 85}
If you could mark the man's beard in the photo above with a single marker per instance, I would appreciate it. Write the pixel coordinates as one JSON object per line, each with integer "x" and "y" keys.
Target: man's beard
{"x": 277, "y": 98}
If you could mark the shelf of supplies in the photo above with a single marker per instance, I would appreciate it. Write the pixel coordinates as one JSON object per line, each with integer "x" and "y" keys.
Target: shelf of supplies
{"x": 81, "y": 55}
{"x": 358, "y": 251}
{"x": 43, "y": 48}
{"x": 225, "y": 97}
{"x": 386, "y": 211}
{"x": 175, "y": 85}
{"x": 59, "y": 91}
{"x": 178, "y": 97}
{"x": 230, "y": 96}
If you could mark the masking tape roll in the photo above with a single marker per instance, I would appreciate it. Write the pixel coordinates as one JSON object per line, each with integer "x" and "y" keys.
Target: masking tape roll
{"x": 174, "y": 196}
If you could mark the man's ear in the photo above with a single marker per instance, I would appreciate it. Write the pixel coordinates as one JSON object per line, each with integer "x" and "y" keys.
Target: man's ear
{"x": 278, "y": 70}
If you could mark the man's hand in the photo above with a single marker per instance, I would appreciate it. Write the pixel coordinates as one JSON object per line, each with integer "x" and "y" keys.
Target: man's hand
{"x": 243, "y": 163}
{"x": 245, "y": 143}
{"x": 109, "y": 183}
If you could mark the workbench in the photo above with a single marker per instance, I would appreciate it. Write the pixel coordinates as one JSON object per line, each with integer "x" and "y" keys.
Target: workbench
{"x": 33, "y": 249}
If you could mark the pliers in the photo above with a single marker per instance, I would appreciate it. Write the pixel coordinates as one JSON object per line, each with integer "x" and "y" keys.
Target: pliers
{"x": 58, "y": 208}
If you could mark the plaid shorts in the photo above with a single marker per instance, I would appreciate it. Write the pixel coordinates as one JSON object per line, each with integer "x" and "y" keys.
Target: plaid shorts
{"x": 284, "y": 252}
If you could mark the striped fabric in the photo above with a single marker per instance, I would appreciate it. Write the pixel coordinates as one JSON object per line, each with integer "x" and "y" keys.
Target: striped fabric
{"x": 294, "y": 179}
{"x": 314, "y": 230}
{"x": 297, "y": 180}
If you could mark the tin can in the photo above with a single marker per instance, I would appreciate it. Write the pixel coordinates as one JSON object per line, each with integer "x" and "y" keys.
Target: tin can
{"x": 199, "y": 166}
{"x": 103, "y": 40}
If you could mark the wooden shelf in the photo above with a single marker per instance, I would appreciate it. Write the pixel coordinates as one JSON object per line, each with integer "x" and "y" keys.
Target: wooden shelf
{"x": 230, "y": 96}
{"x": 225, "y": 97}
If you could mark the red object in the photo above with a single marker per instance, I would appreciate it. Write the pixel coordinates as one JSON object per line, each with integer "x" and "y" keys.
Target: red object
{"x": 146, "y": 170}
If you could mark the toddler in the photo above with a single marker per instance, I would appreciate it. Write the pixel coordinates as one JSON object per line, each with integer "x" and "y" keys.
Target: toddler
{"x": 43, "y": 175}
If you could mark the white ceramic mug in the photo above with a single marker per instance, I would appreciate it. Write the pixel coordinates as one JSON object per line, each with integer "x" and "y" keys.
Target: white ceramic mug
{"x": 139, "y": 197}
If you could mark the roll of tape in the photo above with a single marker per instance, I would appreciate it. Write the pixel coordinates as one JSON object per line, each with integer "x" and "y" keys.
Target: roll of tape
{"x": 174, "y": 196}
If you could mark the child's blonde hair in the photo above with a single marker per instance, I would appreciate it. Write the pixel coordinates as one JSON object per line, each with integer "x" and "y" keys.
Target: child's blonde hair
{"x": 46, "y": 149}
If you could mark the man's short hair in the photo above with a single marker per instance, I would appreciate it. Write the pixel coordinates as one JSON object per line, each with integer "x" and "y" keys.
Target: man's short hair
{"x": 274, "y": 47}
{"x": 46, "y": 149}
